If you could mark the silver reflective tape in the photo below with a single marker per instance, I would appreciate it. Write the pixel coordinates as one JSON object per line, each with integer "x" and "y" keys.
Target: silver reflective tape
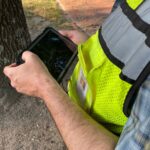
{"x": 126, "y": 43}
{"x": 134, "y": 67}
{"x": 144, "y": 11}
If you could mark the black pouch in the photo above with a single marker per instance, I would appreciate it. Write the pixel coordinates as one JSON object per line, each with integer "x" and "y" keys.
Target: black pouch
{"x": 55, "y": 50}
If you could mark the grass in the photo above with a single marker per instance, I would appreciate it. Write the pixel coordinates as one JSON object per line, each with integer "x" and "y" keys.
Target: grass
{"x": 47, "y": 9}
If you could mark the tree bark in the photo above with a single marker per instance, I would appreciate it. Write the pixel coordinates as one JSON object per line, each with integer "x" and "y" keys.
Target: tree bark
{"x": 14, "y": 35}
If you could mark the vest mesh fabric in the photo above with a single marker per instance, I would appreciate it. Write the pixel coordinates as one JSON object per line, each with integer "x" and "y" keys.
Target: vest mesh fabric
{"x": 109, "y": 97}
{"x": 108, "y": 91}
{"x": 134, "y": 3}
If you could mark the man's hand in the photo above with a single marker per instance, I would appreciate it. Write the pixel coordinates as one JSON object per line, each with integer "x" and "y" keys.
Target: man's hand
{"x": 78, "y": 37}
{"x": 28, "y": 77}
{"x": 78, "y": 129}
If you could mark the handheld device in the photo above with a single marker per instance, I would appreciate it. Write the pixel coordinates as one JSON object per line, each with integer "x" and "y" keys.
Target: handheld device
{"x": 55, "y": 50}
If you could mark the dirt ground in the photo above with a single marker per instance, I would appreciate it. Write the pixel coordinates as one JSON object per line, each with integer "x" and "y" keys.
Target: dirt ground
{"x": 25, "y": 123}
{"x": 88, "y": 15}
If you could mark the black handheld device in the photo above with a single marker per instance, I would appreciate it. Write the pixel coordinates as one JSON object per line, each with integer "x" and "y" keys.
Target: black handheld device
{"x": 55, "y": 50}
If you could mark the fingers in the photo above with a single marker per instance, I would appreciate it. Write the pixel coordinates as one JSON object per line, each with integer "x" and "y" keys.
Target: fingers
{"x": 67, "y": 33}
{"x": 13, "y": 65}
{"x": 8, "y": 70}
{"x": 63, "y": 32}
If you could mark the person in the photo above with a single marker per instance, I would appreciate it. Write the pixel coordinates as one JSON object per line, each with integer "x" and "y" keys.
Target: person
{"x": 126, "y": 62}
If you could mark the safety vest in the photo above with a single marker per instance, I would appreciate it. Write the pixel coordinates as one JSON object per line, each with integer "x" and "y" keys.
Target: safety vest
{"x": 113, "y": 64}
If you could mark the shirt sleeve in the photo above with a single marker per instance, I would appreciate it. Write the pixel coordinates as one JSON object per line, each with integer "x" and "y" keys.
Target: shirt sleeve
{"x": 136, "y": 133}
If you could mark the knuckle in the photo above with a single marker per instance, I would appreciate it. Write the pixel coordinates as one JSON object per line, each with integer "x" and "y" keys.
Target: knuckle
{"x": 10, "y": 75}
{"x": 8, "y": 72}
{"x": 5, "y": 70}
{"x": 12, "y": 84}
{"x": 18, "y": 90}
{"x": 15, "y": 80}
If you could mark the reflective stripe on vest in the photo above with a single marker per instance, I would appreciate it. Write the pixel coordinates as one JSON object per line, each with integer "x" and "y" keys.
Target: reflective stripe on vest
{"x": 133, "y": 59}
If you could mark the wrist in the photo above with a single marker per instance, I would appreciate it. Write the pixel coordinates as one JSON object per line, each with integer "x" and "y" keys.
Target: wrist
{"x": 48, "y": 86}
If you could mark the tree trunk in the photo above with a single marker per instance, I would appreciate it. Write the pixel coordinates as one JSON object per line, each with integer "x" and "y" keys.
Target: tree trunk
{"x": 14, "y": 35}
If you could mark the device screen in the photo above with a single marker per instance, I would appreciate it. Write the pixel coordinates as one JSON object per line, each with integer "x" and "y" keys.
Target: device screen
{"x": 53, "y": 52}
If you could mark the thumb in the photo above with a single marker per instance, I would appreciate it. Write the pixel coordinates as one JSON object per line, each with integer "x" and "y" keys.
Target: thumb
{"x": 27, "y": 55}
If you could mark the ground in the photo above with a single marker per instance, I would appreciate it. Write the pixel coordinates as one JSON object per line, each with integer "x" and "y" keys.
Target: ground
{"x": 25, "y": 123}
{"x": 88, "y": 15}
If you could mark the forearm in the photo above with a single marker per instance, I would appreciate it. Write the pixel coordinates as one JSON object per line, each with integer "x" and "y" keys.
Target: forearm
{"x": 78, "y": 130}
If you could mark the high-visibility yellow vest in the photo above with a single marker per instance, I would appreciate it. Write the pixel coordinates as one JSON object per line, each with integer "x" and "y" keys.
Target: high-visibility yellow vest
{"x": 112, "y": 65}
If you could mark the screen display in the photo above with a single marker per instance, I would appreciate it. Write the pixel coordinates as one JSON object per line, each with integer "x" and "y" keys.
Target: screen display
{"x": 53, "y": 52}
